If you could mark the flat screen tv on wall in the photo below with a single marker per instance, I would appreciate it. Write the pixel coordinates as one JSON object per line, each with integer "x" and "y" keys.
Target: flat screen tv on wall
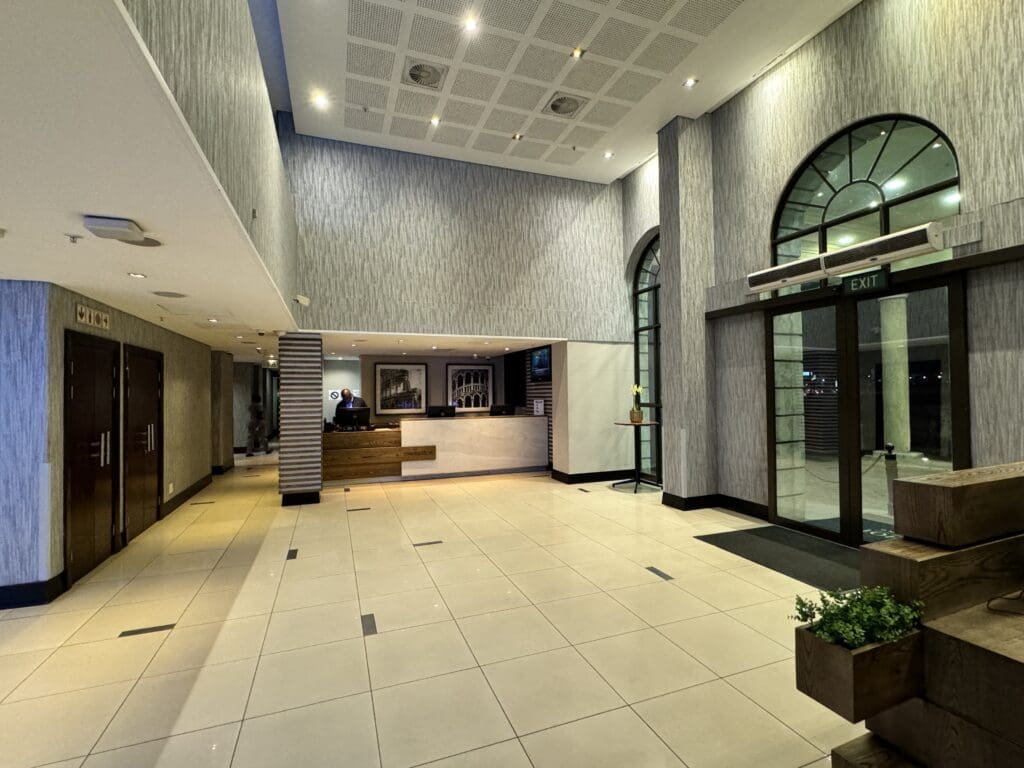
{"x": 540, "y": 364}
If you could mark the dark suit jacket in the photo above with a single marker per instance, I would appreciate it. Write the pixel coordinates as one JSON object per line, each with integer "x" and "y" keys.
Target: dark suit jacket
{"x": 357, "y": 402}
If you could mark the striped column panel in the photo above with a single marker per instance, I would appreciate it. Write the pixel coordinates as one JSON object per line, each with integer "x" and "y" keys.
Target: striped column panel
{"x": 300, "y": 362}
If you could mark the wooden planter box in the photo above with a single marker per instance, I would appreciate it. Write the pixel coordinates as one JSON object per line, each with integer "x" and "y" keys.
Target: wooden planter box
{"x": 861, "y": 683}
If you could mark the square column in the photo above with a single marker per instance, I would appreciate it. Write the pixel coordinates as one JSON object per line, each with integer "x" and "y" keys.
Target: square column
{"x": 301, "y": 365}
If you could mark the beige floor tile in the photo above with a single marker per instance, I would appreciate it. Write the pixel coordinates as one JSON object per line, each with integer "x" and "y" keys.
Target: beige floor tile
{"x": 724, "y": 644}
{"x": 406, "y": 609}
{"x": 715, "y": 726}
{"x": 227, "y": 605}
{"x": 502, "y": 542}
{"x": 462, "y": 570}
{"x": 41, "y": 731}
{"x": 557, "y": 534}
{"x": 388, "y": 581}
{"x": 615, "y": 739}
{"x": 203, "y": 560}
{"x": 661, "y": 603}
{"x": 208, "y": 748}
{"x": 579, "y": 552}
{"x": 554, "y": 584}
{"x": 205, "y": 644}
{"x": 256, "y": 576}
{"x": 111, "y": 621}
{"x": 777, "y": 583}
{"x": 163, "y": 587}
{"x": 644, "y": 664}
{"x": 482, "y": 597}
{"x": 316, "y": 567}
{"x": 37, "y": 633}
{"x": 771, "y": 619}
{"x": 312, "y": 626}
{"x": 180, "y": 702}
{"x": 510, "y": 634}
{"x": 590, "y": 617}
{"x": 417, "y": 653}
{"x": 549, "y": 689}
{"x": 73, "y": 667}
{"x": 447, "y": 550}
{"x": 328, "y": 735}
{"x": 616, "y": 574}
{"x": 507, "y": 754}
{"x": 14, "y": 668}
{"x": 524, "y": 560}
{"x": 723, "y": 590}
{"x": 340, "y": 588}
{"x": 414, "y": 729}
{"x": 774, "y": 688}
{"x": 308, "y": 675}
{"x": 390, "y": 557}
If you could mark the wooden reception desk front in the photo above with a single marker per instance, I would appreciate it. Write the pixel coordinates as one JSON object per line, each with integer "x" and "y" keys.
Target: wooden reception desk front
{"x": 357, "y": 455}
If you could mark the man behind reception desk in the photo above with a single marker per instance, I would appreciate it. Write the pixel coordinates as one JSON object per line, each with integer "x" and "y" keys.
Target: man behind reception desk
{"x": 348, "y": 400}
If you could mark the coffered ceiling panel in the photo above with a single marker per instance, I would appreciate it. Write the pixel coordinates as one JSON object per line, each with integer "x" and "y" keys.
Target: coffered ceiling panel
{"x": 504, "y": 89}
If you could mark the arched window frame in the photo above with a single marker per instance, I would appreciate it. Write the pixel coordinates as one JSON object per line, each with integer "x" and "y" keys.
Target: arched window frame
{"x": 884, "y": 208}
{"x": 646, "y": 289}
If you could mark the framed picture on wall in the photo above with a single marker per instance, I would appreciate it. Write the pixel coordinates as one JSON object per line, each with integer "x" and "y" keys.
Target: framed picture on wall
{"x": 401, "y": 389}
{"x": 470, "y": 387}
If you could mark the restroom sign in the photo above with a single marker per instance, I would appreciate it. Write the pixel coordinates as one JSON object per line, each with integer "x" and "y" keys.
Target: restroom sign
{"x": 89, "y": 316}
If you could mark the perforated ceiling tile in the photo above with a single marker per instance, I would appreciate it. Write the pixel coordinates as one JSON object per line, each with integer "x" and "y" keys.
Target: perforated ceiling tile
{"x": 462, "y": 112}
{"x": 364, "y": 121}
{"x": 491, "y": 51}
{"x": 492, "y": 142}
{"x": 545, "y": 130}
{"x": 475, "y": 85}
{"x": 632, "y": 86}
{"x": 449, "y": 134}
{"x": 542, "y": 63}
{"x": 654, "y": 10}
{"x": 588, "y": 75}
{"x": 702, "y": 17}
{"x": 531, "y": 150}
{"x": 453, "y": 7}
{"x": 503, "y": 121}
{"x": 564, "y": 156}
{"x": 409, "y": 129}
{"x": 417, "y": 104}
{"x": 433, "y": 36}
{"x": 618, "y": 39}
{"x": 581, "y": 136}
{"x": 370, "y": 62}
{"x": 366, "y": 94}
{"x": 513, "y": 15}
{"x": 521, "y": 95}
{"x": 371, "y": 21}
{"x": 665, "y": 53}
{"x": 605, "y": 113}
{"x": 565, "y": 24}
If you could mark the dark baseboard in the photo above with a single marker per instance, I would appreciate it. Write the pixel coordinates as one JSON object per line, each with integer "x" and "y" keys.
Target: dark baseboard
{"x": 220, "y": 469}
{"x": 590, "y": 477}
{"x": 719, "y": 500}
{"x": 36, "y": 593}
{"x": 180, "y": 498}
{"x": 294, "y": 499}
{"x": 239, "y": 449}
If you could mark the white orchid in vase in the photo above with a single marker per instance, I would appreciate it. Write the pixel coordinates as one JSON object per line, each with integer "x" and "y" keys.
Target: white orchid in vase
{"x": 636, "y": 415}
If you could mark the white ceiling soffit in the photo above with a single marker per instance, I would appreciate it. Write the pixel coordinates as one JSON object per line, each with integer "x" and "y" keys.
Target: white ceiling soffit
{"x": 498, "y": 79}
{"x": 348, "y": 345}
{"x": 92, "y": 129}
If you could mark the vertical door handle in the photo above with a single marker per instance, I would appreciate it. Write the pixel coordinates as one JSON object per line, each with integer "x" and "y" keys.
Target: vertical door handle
{"x": 103, "y": 447}
{"x": 149, "y": 437}
{"x": 109, "y": 441}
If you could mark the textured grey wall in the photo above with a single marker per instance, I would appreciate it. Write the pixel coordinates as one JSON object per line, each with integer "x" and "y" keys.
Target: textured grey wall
{"x": 639, "y": 210}
{"x": 207, "y": 53}
{"x": 392, "y": 241}
{"x": 24, "y": 415}
{"x": 222, "y": 418}
{"x": 241, "y": 398}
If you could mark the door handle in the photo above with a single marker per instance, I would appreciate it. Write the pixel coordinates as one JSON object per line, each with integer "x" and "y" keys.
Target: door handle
{"x": 109, "y": 441}
{"x": 103, "y": 447}
{"x": 149, "y": 438}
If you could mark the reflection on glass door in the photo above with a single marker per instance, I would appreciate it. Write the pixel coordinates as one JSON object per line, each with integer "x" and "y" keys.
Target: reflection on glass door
{"x": 806, "y": 394}
{"x": 905, "y": 391}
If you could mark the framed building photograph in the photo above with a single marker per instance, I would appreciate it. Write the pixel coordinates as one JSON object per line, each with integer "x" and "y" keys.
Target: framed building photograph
{"x": 470, "y": 387}
{"x": 401, "y": 389}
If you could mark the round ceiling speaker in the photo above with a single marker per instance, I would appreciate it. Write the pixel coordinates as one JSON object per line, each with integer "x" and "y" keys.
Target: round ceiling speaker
{"x": 564, "y": 105}
{"x": 425, "y": 75}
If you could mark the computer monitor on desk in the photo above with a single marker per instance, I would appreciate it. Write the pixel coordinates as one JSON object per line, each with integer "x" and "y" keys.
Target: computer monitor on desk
{"x": 351, "y": 419}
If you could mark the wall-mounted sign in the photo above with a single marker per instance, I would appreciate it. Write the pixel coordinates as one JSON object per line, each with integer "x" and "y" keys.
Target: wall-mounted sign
{"x": 335, "y": 394}
{"x": 872, "y": 281}
{"x": 538, "y": 407}
{"x": 89, "y": 316}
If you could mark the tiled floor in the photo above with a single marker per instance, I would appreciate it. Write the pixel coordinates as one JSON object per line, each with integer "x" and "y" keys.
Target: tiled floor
{"x": 533, "y": 634}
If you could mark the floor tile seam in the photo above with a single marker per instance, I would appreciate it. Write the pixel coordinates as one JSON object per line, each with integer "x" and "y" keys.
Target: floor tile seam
{"x": 766, "y": 589}
{"x": 189, "y": 732}
{"x": 500, "y": 571}
{"x": 755, "y": 629}
{"x": 725, "y": 610}
{"x": 7, "y": 698}
{"x": 776, "y": 718}
{"x": 437, "y": 760}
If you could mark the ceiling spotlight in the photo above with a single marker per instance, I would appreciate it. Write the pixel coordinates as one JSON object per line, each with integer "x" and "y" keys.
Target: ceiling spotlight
{"x": 259, "y": 349}
{"x": 486, "y": 342}
{"x": 401, "y": 341}
{"x": 475, "y": 355}
{"x": 137, "y": 275}
{"x": 353, "y": 345}
{"x": 212, "y": 320}
{"x": 239, "y": 337}
{"x": 506, "y": 349}
{"x": 577, "y": 53}
{"x": 690, "y": 82}
{"x": 517, "y": 137}
{"x": 608, "y": 155}
{"x": 320, "y": 100}
{"x": 470, "y": 24}
{"x": 883, "y": 133}
{"x": 893, "y": 185}
{"x": 434, "y": 347}
{"x": 405, "y": 353}
{"x": 435, "y": 121}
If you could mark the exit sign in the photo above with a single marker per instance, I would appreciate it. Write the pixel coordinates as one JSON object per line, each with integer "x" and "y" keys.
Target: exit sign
{"x": 872, "y": 281}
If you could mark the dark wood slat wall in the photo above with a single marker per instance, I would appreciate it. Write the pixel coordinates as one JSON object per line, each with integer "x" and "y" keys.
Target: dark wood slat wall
{"x": 300, "y": 362}
{"x": 538, "y": 390}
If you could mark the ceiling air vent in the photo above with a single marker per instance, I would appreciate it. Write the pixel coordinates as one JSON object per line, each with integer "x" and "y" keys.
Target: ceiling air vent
{"x": 565, "y": 105}
{"x": 424, "y": 74}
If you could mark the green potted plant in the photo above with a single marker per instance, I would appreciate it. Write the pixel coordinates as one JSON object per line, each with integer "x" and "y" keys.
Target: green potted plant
{"x": 636, "y": 415}
{"x": 859, "y": 652}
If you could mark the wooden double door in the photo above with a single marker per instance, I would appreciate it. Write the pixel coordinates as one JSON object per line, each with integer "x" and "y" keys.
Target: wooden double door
{"x": 143, "y": 438}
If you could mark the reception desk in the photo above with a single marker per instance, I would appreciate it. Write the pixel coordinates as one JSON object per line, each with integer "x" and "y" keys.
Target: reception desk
{"x": 437, "y": 447}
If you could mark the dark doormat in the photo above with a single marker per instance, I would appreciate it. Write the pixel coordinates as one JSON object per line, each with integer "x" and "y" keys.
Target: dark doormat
{"x": 823, "y": 564}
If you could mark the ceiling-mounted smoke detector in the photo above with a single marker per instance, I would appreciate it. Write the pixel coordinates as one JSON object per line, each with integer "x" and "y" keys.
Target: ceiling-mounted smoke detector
{"x": 565, "y": 105}
{"x": 424, "y": 74}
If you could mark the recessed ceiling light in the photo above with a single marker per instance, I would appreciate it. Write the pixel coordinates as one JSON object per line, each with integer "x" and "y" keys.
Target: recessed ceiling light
{"x": 846, "y": 239}
{"x": 239, "y": 337}
{"x": 319, "y": 99}
{"x": 608, "y": 155}
{"x": 212, "y": 320}
{"x": 401, "y": 341}
{"x": 577, "y": 53}
{"x": 517, "y": 137}
{"x": 895, "y": 184}
{"x": 434, "y": 347}
{"x": 259, "y": 349}
{"x": 883, "y": 133}
{"x": 506, "y": 349}
{"x": 353, "y": 345}
{"x": 435, "y": 121}
{"x": 470, "y": 24}
{"x": 690, "y": 82}
{"x": 137, "y": 275}
{"x": 405, "y": 353}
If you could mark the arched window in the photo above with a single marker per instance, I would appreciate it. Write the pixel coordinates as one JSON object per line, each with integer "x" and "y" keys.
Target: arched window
{"x": 879, "y": 176}
{"x": 647, "y": 354}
